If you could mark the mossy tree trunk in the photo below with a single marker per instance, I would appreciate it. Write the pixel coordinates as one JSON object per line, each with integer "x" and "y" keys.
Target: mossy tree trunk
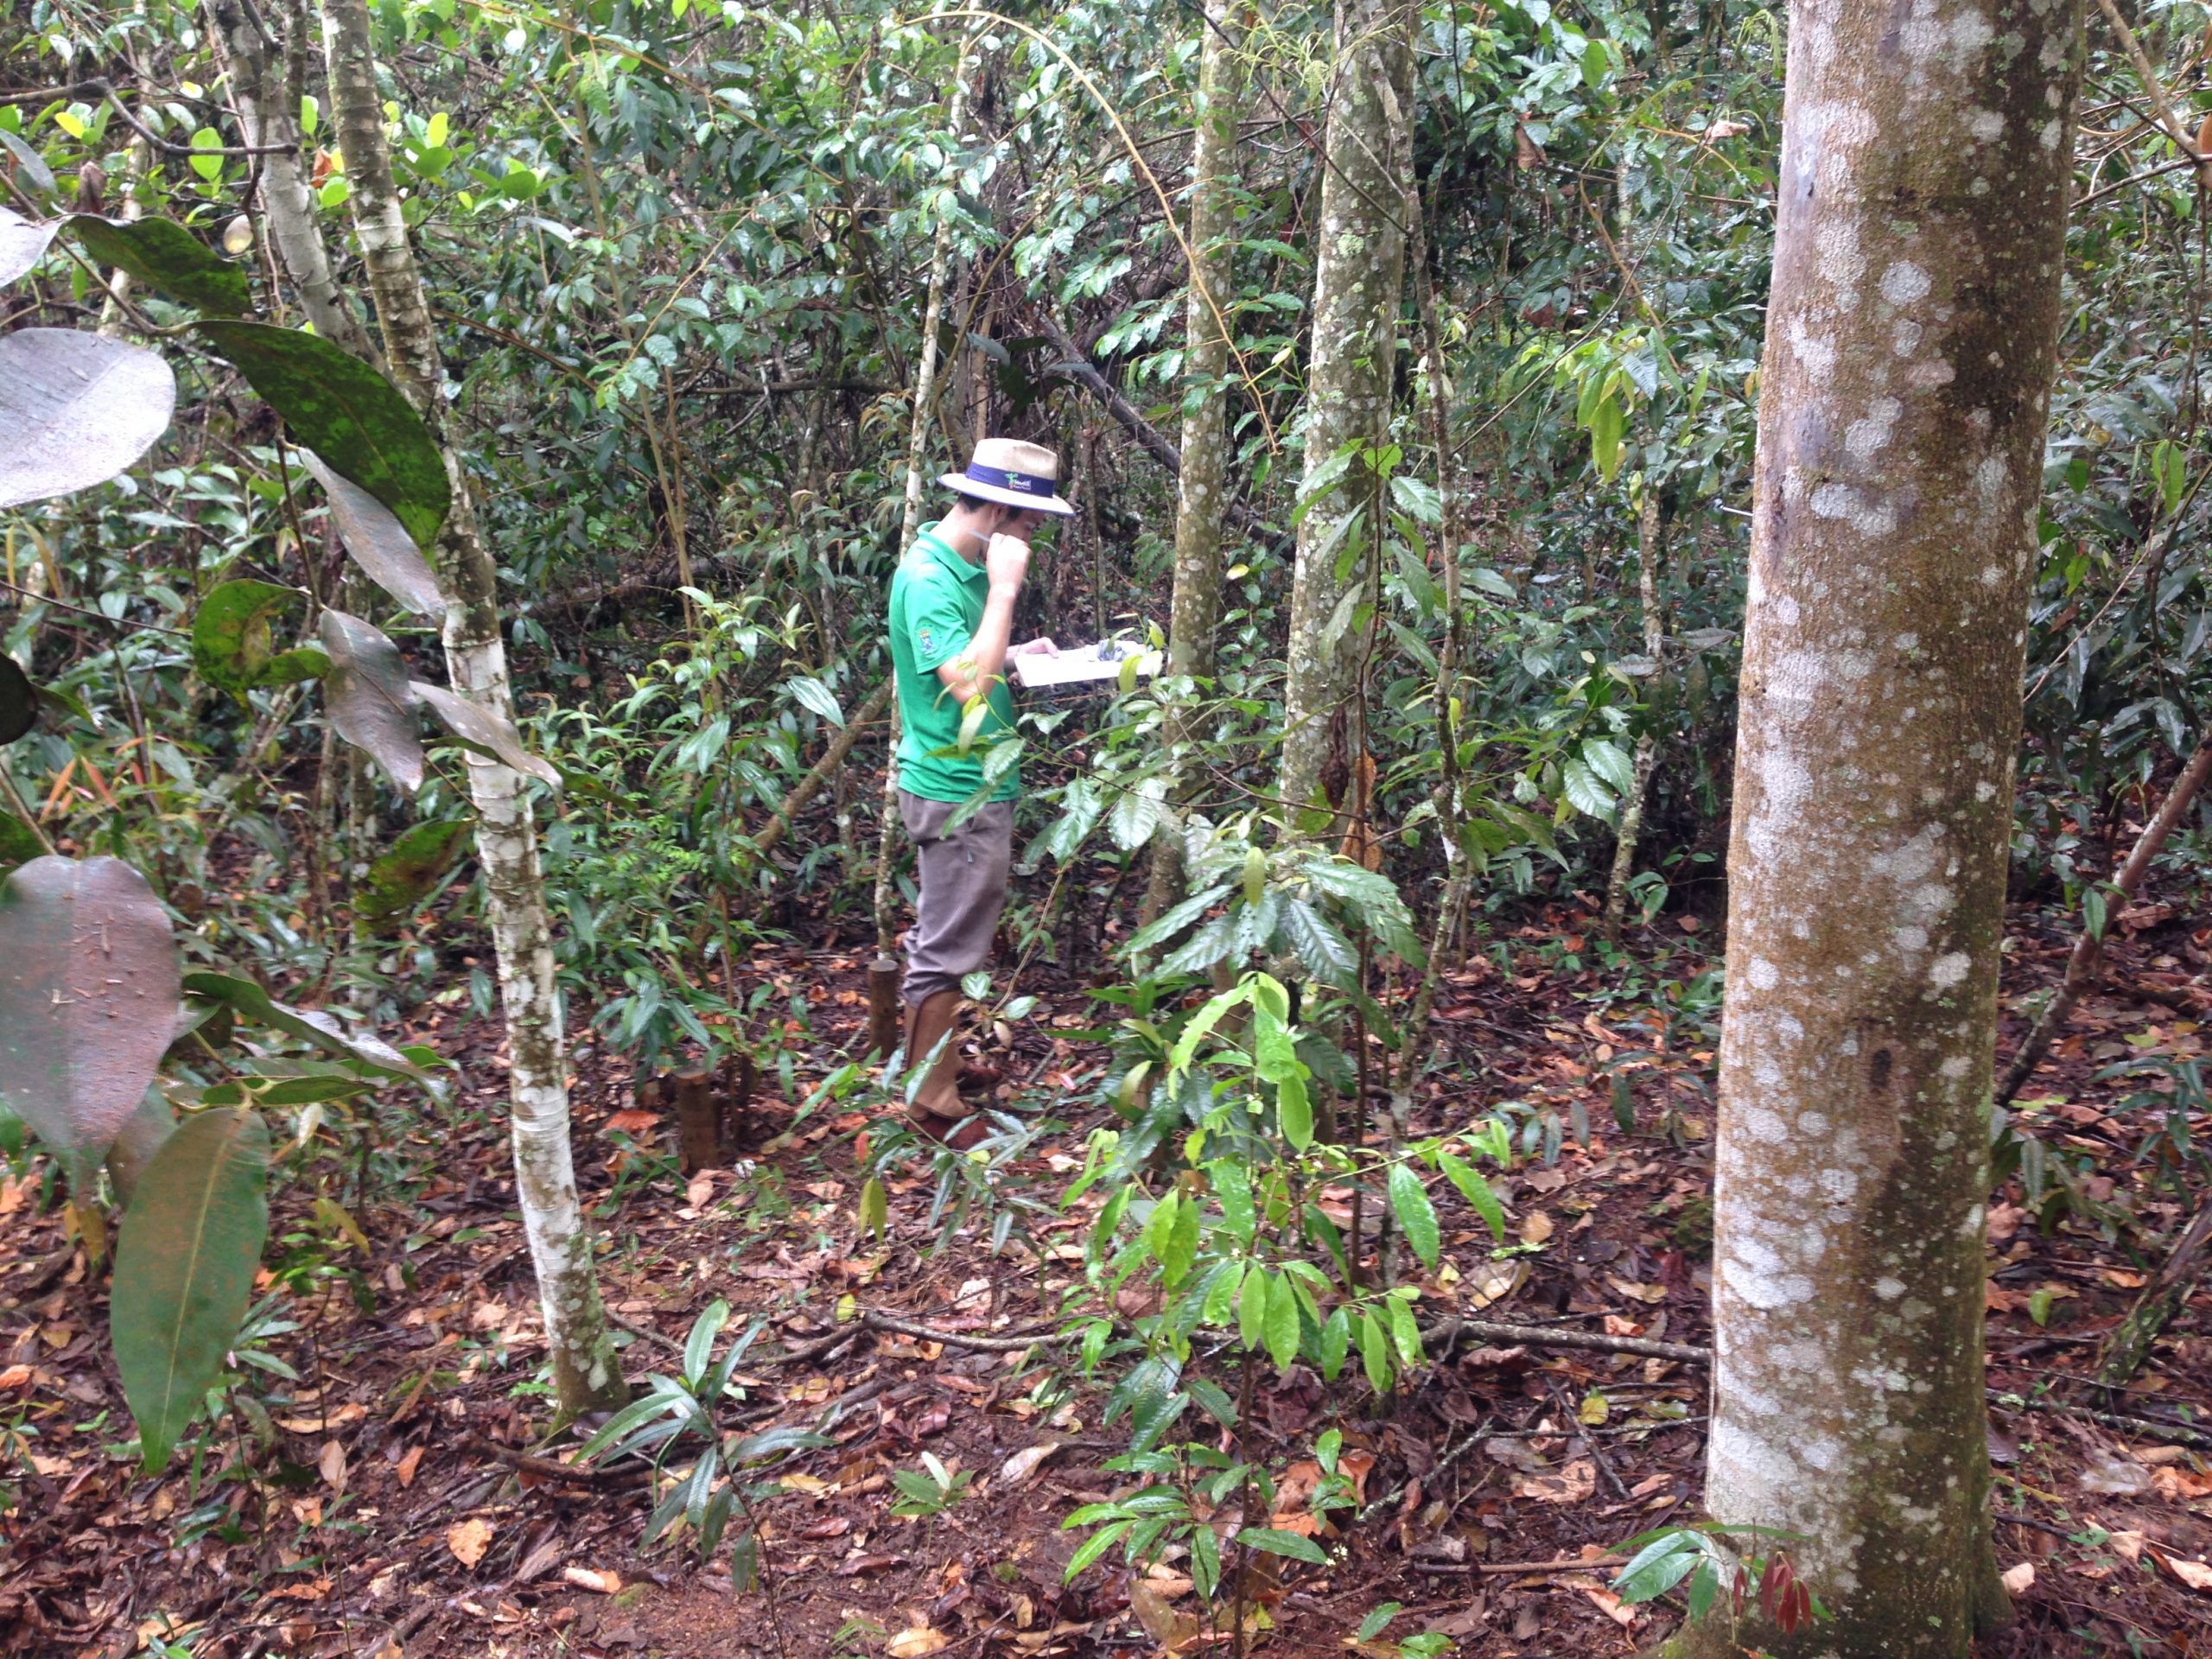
{"x": 1203, "y": 479}
{"x": 1359, "y": 266}
{"x": 1912, "y": 338}
{"x": 585, "y": 1373}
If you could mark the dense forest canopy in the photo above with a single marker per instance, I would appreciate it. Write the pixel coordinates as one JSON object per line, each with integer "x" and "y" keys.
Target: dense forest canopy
{"x": 579, "y": 378}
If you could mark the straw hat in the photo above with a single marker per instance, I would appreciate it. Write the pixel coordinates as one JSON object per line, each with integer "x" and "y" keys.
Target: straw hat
{"x": 1013, "y": 474}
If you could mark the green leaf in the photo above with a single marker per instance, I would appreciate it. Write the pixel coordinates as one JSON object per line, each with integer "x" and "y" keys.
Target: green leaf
{"x": 1168, "y": 926}
{"x": 293, "y": 667}
{"x": 164, "y": 255}
{"x": 1294, "y": 1112}
{"x": 231, "y": 643}
{"x": 1095, "y": 1546}
{"x": 402, "y": 877}
{"x": 1282, "y": 1324}
{"x": 1477, "y": 1191}
{"x": 1336, "y": 1343}
{"x": 1593, "y": 64}
{"x": 875, "y": 1207}
{"x": 1610, "y": 762}
{"x": 1275, "y": 1542}
{"x": 357, "y": 420}
{"x": 379, "y": 543}
{"x": 88, "y": 1001}
{"x": 184, "y": 1270}
{"x": 1409, "y": 1199}
{"x": 1606, "y": 424}
{"x": 77, "y": 409}
{"x": 1252, "y": 1307}
{"x": 1405, "y": 1331}
{"x": 245, "y": 997}
{"x": 17, "y": 844}
{"x": 1205, "y": 1561}
{"x": 1584, "y": 791}
{"x": 1374, "y": 1351}
{"x": 772, "y": 1442}
{"x": 699, "y": 1345}
{"x": 369, "y": 698}
{"x": 18, "y": 701}
{"x": 1318, "y": 944}
{"x": 817, "y": 697}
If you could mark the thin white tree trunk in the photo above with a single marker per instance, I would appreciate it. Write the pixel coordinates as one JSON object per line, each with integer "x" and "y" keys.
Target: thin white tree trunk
{"x": 1201, "y": 493}
{"x": 585, "y": 1373}
{"x": 1910, "y": 342}
{"x": 883, "y": 973}
{"x": 1647, "y": 746}
{"x": 1360, "y": 263}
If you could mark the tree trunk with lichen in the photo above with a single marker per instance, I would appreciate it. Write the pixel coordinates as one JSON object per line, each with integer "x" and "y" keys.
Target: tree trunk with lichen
{"x": 1912, "y": 338}
{"x": 1359, "y": 265}
{"x": 585, "y": 1373}
{"x": 1203, "y": 479}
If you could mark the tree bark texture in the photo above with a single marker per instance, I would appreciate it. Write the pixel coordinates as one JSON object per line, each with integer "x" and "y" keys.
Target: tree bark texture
{"x": 1202, "y": 469}
{"x": 268, "y": 115}
{"x": 1910, "y": 341}
{"x": 2088, "y": 950}
{"x": 1359, "y": 263}
{"x": 585, "y": 1372}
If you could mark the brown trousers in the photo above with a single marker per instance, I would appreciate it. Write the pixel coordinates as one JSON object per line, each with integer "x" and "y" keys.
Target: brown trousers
{"x": 963, "y": 877}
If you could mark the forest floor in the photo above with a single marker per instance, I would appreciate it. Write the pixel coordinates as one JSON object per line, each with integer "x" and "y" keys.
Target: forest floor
{"x": 392, "y": 1512}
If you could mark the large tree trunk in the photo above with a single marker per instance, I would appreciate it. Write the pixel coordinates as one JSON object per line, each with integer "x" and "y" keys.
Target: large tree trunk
{"x": 1202, "y": 477}
{"x": 585, "y": 1374}
{"x": 1910, "y": 341}
{"x": 1359, "y": 262}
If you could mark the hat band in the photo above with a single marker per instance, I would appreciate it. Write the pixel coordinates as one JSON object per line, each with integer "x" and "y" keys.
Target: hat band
{"x": 998, "y": 479}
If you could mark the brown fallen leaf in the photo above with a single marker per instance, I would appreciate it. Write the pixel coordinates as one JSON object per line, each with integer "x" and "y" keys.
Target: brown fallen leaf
{"x": 14, "y": 1377}
{"x": 1025, "y": 1463}
{"x": 468, "y": 1540}
{"x": 408, "y": 1465}
{"x": 1573, "y": 1485}
{"x": 915, "y": 1641}
{"x": 331, "y": 1464}
{"x": 2016, "y": 1579}
{"x": 1163, "y": 1621}
{"x": 592, "y": 1578}
{"x": 1621, "y": 1613}
{"x": 1536, "y": 1227}
{"x": 2196, "y": 1574}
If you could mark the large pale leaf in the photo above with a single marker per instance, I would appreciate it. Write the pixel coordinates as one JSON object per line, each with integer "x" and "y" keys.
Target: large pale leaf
{"x": 378, "y": 540}
{"x": 480, "y": 728}
{"x": 370, "y": 699}
{"x": 18, "y": 701}
{"x": 397, "y": 882}
{"x": 164, "y": 255}
{"x": 349, "y": 414}
{"x": 76, "y": 410}
{"x": 231, "y": 644}
{"x": 23, "y": 242}
{"x": 88, "y": 991}
{"x": 247, "y": 999}
{"x": 184, "y": 1270}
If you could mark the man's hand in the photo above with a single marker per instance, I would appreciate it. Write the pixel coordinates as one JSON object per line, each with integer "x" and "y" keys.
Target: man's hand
{"x": 1039, "y": 647}
{"x": 1006, "y": 561}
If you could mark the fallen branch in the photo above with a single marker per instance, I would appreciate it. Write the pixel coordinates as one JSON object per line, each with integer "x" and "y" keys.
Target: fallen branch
{"x": 810, "y": 785}
{"x": 644, "y": 1333}
{"x": 2131, "y": 1340}
{"x": 2150, "y": 1425}
{"x": 1596, "y": 1563}
{"x": 1446, "y": 1332}
{"x": 878, "y": 1321}
{"x": 2088, "y": 950}
{"x": 550, "y": 1468}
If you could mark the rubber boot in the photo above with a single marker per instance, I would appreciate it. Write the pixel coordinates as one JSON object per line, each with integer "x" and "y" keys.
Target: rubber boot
{"x": 937, "y": 1109}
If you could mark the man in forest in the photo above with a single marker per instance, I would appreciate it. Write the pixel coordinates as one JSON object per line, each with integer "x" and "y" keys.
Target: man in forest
{"x": 951, "y": 617}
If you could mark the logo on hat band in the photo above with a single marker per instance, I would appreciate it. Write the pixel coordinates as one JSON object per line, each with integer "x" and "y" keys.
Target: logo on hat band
{"x": 998, "y": 479}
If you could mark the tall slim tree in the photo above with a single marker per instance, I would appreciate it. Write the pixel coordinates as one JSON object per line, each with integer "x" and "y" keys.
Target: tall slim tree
{"x": 1200, "y": 501}
{"x": 1910, "y": 342}
{"x": 585, "y": 1373}
{"x": 1359, "y": 260}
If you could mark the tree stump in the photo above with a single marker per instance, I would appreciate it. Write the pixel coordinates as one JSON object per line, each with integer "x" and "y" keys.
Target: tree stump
{"x": 698, "y": 1120}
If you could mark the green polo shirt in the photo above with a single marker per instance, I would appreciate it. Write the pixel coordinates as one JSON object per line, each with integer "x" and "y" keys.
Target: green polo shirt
{"x": 936, "y": 604}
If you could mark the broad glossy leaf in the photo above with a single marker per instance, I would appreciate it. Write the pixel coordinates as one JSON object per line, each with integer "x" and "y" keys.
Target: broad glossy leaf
{"x": 184, "y": 1272}
{"x": 18, "y": 701}
{"x": 399, "y": 879}
{"x": 88, "y": 995}
{"x": 299, "y": 663}
{"x": 378, "y": 540}
{"x": 31, "y": 166}
{"x": 23, "y": 242}
{"x": 231, "y": 643}
{"x": 817, "y": 697}
{"x": 479, "y": 727}
{"x": 1409, "y": 1200}
{"x": 164, "y": 255}
{"x": 243, "y": 996}
{"x": 77, "y": 410}
{"x": 371, "y": 701}
{"x": 349, "y": 414}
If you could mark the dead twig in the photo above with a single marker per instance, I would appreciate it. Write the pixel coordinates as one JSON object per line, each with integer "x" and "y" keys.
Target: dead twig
{"x": 551, "y": 1469}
